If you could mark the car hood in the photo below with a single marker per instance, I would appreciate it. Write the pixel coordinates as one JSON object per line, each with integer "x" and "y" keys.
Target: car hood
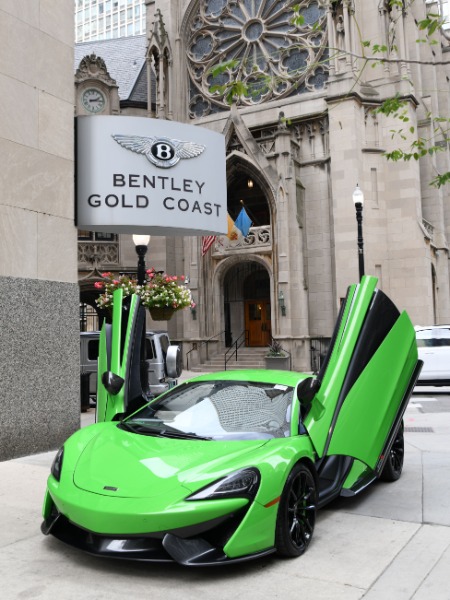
{"x": 125, "y": 464}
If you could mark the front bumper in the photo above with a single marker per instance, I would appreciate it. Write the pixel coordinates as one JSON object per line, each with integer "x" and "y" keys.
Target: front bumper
{"x": 199, "y": 545}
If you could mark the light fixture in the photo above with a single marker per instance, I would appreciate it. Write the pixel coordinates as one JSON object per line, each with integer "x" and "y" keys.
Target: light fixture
{"x": 250, "y": 183}
{"x": 141, "y": 240}
{"x": 358, "y": 196}
{"x": 358, "y": 200}
{"x": 281, "y": 303}
{"x": 141, "y": 243}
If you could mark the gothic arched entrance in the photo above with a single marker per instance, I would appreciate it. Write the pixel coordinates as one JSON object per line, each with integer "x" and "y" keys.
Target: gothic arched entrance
{"x": 257, "y": 308}
{"x": 247, "y": 303}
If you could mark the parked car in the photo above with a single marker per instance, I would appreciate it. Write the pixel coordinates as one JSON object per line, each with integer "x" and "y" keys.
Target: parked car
{"x": 433, "y": 344}
{"x": 232, "y": 466}
{"x": 161, "y": 376}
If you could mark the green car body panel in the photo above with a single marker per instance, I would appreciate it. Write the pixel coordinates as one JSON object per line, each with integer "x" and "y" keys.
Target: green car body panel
{"x": 115, "y": 484}
{"x": 365, "y": 417}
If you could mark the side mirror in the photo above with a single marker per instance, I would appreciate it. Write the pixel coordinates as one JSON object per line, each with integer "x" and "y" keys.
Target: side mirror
{"x": 307, "y": 389}
{"x": 112, "y": 382}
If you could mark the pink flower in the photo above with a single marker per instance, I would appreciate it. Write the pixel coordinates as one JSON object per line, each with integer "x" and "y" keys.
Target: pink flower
{"x": 106, "y": 274}
{"x": 182, "y": 277}
{"x": 98, "y": 285}
{"x": 115, "y": 282}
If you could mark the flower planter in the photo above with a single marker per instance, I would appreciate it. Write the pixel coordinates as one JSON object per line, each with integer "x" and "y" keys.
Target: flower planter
{"x": 277, "y": 362}
{"x": 163, "y": 313}
{"x": 160, "y": 292}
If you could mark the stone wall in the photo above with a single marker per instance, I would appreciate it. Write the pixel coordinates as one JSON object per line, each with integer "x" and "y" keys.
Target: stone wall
{"x": 39, "y": 340}
{"x": 39, "y": 354}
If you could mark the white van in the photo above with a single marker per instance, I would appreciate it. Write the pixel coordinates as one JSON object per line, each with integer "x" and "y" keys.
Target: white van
{"x": 433, "y": 344}
{"x": 161, "y": 372}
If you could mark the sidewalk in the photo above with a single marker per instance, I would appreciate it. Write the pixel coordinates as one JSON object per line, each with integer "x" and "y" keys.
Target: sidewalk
{"x": 390, "y": 543}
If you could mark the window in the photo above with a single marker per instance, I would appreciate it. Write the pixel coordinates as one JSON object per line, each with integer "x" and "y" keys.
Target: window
{"x": 433, "y": 338}
{"x": 93, "y": 350}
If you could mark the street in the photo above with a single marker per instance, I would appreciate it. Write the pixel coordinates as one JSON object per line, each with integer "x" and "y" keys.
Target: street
{"x": 391, "y": 542}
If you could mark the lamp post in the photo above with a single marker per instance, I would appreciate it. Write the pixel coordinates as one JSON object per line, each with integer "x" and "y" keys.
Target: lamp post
{"x": 141, "y": 243}
{"x": 358, "y": 200}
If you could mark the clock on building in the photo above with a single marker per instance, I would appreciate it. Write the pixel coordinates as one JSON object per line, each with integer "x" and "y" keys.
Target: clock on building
{"x": 93, "y": 100}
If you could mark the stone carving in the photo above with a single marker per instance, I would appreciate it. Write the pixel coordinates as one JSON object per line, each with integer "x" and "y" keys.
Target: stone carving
{"x": 265, "y": 43}
{"x": 93, "y": 67}
{"x": 98, "y": 254}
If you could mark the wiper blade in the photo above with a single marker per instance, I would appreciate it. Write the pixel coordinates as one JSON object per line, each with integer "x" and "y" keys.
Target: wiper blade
{"x": 141, "y": 428}
{"x": 182, "y": 435}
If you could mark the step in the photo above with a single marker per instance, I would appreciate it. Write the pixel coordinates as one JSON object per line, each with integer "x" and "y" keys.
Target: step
{"x": 247, "y": 358}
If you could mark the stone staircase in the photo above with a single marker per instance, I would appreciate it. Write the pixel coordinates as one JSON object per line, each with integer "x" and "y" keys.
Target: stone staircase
{"x": 247, "y": 358}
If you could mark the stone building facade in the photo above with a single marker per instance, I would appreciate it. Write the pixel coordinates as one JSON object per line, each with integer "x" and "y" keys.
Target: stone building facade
{"x": 39, "y": 346}
{"x": 297, "y": 144}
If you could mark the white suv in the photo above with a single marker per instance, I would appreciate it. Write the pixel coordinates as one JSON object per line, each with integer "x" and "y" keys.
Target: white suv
{"x": 433, "y": 344}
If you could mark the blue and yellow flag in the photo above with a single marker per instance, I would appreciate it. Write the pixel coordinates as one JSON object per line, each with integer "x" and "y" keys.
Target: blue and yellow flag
{"x": 243, "y": 222}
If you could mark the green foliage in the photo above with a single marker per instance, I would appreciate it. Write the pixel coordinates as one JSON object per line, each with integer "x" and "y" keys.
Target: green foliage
{"x": 432, "y": 22}
{"x": 298, "y": 19}
{"x": 396, "y": 107}
{"x": 440, "y": 180}
{"x": 275, "y": 349}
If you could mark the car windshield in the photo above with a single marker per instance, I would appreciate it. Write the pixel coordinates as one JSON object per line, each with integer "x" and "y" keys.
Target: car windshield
{"x": 433, "y": 337}
{"x": 218, "y": 410}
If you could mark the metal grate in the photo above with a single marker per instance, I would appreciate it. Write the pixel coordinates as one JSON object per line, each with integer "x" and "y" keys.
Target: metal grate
{"x": 419, "y": 430}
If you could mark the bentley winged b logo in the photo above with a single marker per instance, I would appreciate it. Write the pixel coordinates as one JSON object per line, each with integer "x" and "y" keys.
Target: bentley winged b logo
{"x": 160, "y": 151}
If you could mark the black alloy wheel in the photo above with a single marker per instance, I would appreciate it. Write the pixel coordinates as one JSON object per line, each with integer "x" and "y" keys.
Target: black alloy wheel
{"x": 296, "y": 513}
{"x": 394, "y": 464}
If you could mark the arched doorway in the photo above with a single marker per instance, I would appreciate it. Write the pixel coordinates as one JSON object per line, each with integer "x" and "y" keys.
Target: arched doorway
{"x": 244, "y": 191}
{"x": 247, "y": 303}
{"x": 257, "y": 308}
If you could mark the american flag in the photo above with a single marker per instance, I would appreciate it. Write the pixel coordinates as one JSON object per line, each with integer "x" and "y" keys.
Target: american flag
{"x": 207, "y": 242}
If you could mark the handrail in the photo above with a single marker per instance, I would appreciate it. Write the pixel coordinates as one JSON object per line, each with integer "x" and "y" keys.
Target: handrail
{"x": 197, "y": 345}
{"x": 234, "y": 348}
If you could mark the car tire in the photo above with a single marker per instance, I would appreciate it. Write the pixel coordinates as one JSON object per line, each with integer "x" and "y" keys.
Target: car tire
{"x": 392, "y": 470}
{"x": 296, "y": 513}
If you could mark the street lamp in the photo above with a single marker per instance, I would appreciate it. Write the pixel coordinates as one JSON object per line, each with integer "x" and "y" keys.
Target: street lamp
{"x": 141, "y": 242}
{"x": 358, "y": 200}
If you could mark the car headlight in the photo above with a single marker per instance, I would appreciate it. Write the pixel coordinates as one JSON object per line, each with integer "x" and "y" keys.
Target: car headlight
{"x": 57, "y": 464}
{"x": 240, "y": 484}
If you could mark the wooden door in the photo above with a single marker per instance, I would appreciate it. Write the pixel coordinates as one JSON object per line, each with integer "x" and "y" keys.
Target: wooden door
{"x": 257, "y": 322}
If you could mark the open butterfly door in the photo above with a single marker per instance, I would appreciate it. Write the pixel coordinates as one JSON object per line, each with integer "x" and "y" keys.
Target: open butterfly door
{"x": 367, "y": 378}
{"x": 122, "y": 383}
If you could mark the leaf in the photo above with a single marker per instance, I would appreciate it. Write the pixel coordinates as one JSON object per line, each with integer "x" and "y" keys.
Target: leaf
{"x": 220, "y": 68}
{"x": 440, "y": 180}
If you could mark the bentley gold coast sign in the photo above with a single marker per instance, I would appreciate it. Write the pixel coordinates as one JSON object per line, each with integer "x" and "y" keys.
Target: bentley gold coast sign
{"x": 139, "y": 175}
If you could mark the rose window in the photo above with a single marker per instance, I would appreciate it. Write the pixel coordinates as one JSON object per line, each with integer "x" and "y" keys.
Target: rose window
{"x": 273, "y": 57}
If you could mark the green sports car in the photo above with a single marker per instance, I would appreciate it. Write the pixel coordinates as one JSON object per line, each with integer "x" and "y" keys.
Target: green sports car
{"x": 232, "y": 466}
